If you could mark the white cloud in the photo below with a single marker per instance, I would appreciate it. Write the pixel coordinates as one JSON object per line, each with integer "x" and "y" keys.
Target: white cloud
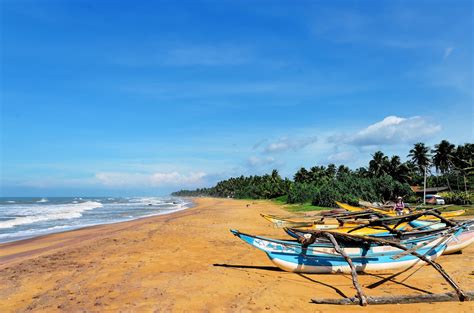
{"x": 255, "y": 161}
{"x": 395, "y": 130}
{"x": 157, "y": 179}
{"x": 175, "y": 178}
{"x": 342, "y": 156}
{"x": 285, "y": 143}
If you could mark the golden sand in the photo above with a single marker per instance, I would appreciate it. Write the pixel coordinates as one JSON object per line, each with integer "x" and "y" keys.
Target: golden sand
{"x": 189, "y": 262}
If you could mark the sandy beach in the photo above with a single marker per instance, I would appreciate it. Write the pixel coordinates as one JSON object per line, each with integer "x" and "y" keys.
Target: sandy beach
{"x": 189, "y": 262}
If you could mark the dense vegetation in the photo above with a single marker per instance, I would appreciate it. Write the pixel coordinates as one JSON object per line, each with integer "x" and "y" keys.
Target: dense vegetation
{"x": 383, "y": 179}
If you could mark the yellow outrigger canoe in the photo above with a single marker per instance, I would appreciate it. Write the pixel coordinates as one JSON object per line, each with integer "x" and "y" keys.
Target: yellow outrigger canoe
{"x": 287, "y": 222}
{"x": 346, "y": 229}
{"x": 314, "y": 225}
{"x": 351, "y": 208}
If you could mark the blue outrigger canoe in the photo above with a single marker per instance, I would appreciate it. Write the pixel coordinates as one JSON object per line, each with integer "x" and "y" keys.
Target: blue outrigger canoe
{"x": 322, "y": 257}
{"x": 455, "y": 244}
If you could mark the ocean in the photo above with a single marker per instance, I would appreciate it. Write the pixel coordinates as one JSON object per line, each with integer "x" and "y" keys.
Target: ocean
{"x": 22, "y": 218}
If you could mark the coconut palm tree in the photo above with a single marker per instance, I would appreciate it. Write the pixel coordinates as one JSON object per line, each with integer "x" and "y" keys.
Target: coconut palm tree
{"x": 362, "y": 172}
{"x": 398, "y": 170}
{"x": 443, "y": 158}
{"x": 420, "y": 156}
{"x": 379, "y": 164}
{"x": 331, "y": 170}
{"x": 302, "y": 176}
{"x": 463, "y": 160}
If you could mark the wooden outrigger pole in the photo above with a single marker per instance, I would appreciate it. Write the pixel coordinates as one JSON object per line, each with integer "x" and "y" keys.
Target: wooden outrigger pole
{"x": 364, "y": 240}
{"x": 355, "y": 277}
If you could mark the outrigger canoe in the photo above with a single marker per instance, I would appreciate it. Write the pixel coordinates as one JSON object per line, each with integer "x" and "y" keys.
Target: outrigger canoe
{"x": 345, "y": 227}
{"x": 350, "y": 229}
{"x": 388, "y": 230}
{"x": 367, "y": 254}
{"x": 333, "y": 220}
{"x": 457, "y": 243}
{"x": 351, "y": 208}
{"x": 286, "y": 222}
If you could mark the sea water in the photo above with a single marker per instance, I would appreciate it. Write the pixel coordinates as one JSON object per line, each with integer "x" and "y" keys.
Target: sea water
{"x": 22, "y": 218}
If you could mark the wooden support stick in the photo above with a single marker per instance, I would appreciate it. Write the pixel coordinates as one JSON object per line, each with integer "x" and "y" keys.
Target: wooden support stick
{"x": 440, "y": 297}
{"x": 355, "y": 280}
{"x": 367, "y": 240}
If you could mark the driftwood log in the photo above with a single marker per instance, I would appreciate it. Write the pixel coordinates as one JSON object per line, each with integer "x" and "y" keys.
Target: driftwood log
{"x": 437, "y": 297}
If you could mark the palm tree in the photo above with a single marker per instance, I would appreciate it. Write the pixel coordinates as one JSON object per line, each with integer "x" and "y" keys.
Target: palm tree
{"x": 420, "y": 156}
{"x": 331, "y": 171}
{"x": 362, "y": 172}
{"x": 341, "y": 170}
{"x": 398, "y": 170}
{"x": 301, "y": 176}
{"x": 316, "y": 173}
{"x": 379, "y": 164}
{"x": 463, "y": 160}
{"x": 443, "y": 158}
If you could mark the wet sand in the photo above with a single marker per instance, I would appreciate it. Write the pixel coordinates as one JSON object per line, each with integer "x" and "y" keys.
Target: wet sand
{"x": 188, "y": 261}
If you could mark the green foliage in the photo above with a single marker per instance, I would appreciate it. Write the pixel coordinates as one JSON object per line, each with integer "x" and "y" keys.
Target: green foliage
{"x": 301, "y": 193}
{"x": 251, "y": 187}
{"x": 457, "y": 197}
{"x": 281, "y": 199}
{"x": 327, "y": 194}
{"x": 348, "y": 188}
{"x": 384, "y": 178}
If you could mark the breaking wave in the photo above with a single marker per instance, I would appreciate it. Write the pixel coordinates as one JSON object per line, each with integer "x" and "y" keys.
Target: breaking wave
{"x": 41, "y": 213}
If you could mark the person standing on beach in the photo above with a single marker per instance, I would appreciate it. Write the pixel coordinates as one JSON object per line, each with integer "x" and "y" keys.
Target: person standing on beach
{"x": 399, "y": 206}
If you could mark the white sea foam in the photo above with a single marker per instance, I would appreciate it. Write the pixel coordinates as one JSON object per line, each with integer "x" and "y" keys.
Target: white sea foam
{"x": 32, "y": 232}
{"x": 43, "y": 200}
{"x": 41, "y": 213}
{"x": 31, "y": 218}
{"x": 10, "y": 201}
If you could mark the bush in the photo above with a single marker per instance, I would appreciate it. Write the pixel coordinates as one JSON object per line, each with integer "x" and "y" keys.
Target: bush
{"x": 457, "y": 197}
{"x": 301, "y": 193}
{"x": 329, "y": 193}
{"x": 350, "y": 189}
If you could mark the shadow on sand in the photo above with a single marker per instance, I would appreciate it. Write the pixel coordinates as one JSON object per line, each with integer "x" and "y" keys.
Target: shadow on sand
{"x": 382, "y": 280}
{"x": 276, "y": 269}
{"x": 264, "y": 268}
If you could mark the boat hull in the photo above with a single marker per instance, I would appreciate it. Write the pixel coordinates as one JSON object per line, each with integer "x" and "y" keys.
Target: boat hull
{"x": 321, "y": 258}
{"x": 455, "y": 244}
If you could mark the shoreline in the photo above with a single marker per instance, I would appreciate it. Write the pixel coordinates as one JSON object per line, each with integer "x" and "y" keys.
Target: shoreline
{"x": 189, "y": 261}
{"x": 190, "y": 203}
{"x": 70, "y": 233}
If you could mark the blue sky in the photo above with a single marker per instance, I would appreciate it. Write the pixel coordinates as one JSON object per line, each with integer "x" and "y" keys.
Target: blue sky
{"x": 146, "y": 97}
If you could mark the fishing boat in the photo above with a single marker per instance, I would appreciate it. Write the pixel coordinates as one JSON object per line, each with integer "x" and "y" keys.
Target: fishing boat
{"x": 351, "y": 208}
{"x": 419, "y": 228}
{"x": 287, "y": 222}
{"x": 335, "y": 220}
{"x": 368, "y": 254}
{"x": 457, "y": 243}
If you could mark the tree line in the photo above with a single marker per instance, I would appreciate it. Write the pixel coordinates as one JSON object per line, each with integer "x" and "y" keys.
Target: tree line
{"x": 385, "y": 178}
